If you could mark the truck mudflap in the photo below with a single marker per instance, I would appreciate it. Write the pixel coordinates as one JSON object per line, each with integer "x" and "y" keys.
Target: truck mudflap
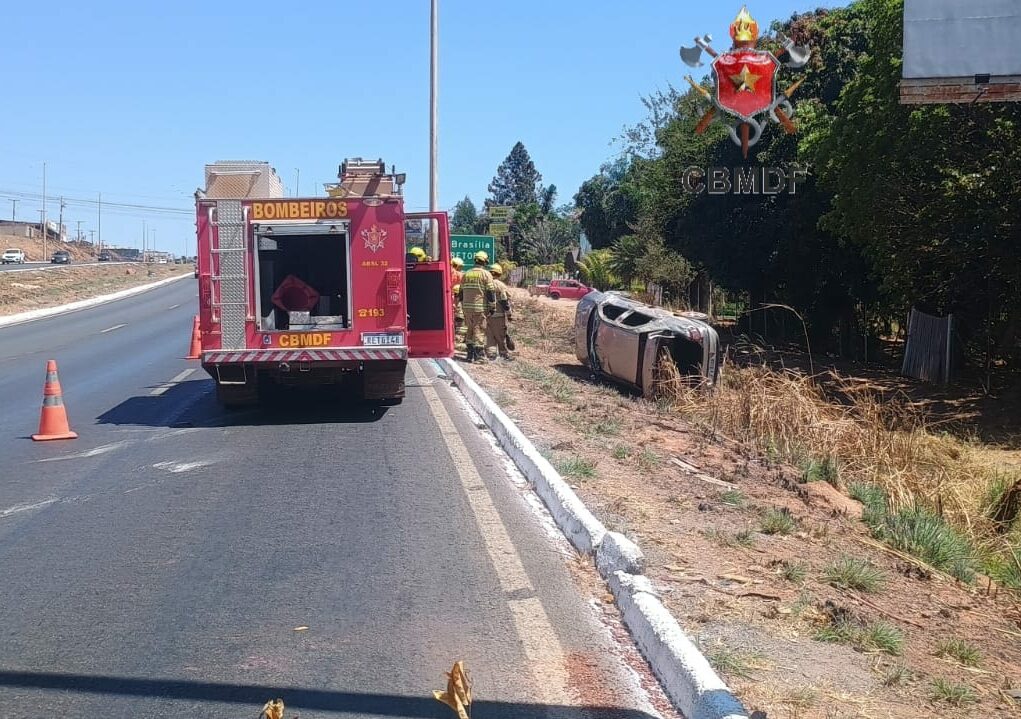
{"x": 333, "y": 354}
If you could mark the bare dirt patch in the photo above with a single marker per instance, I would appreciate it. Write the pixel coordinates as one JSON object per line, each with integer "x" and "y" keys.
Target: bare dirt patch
{"x": 38, "y": 289}
{"x": 799, "y": 608}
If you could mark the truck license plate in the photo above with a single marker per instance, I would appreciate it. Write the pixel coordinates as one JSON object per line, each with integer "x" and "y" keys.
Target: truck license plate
{"x": 383, "y": 340}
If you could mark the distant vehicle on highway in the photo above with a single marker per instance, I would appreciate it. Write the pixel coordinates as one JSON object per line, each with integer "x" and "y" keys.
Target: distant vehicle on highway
{"x": 568, "y": 289}
{"x": 61, "y": 257}
{"x": 13, "y": 256}
{"x": 635, "y": 343}
{"x": 105, "y": 257}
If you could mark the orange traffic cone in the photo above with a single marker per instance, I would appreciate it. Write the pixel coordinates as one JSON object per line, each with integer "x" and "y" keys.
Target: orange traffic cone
{"x": 196, "y": 341}
{"x": 53, "y": 419}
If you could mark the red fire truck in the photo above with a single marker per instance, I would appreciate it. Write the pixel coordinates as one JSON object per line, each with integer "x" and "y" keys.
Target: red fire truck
{"x": 317, "y": 290}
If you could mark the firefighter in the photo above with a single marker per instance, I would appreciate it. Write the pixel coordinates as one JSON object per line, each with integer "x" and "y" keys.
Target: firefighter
{"x": 456, "y": 273}
{"x": 478, "y": 299}
{"x": 496, "y": 326}
{"x": 417, "y": 254}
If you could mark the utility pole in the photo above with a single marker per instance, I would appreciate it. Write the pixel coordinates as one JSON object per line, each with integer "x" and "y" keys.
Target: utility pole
{"x": 14, "y": 210}
{"x": 100, "y": 223}
{"x": 143, "y": 240}
{"x": 78, "y": 236}
{"x": 433, "y": 89}
{"x": 92, "y": 237}
{"x": 60, "y": 222}
{"x": 297, "y": 180}
{"x": 43, "y": 225}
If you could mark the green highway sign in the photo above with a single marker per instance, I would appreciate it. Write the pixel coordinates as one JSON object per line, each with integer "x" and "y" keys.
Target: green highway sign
{"x": 465, "y": 247}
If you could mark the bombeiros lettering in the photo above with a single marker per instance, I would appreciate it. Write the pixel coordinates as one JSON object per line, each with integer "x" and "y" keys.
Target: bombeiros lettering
{"x": 299, "y": 210}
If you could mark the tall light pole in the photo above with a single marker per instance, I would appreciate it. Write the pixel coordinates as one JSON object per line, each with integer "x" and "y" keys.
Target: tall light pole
{"x": 99, "y": 229}
{"x": 14, "y": 210}
{"x": 297, "y": 178}
{"x": 44, "y": 211}
{"x": 433, "y": 90}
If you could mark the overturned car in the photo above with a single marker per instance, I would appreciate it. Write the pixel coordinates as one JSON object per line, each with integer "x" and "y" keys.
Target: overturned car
{"x": 642, "y": 346}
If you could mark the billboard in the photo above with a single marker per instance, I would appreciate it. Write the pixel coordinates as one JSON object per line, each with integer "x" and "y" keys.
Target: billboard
{"x": 961, "y": 51}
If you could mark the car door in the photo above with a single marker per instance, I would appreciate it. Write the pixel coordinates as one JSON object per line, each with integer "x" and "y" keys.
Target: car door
{"x": 616, "y": 344}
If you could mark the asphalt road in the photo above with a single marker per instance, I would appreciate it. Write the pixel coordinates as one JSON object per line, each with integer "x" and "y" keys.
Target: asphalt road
{"x": 161, "y": 564}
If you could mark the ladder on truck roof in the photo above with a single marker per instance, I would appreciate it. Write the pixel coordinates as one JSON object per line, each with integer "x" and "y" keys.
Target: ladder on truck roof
{"x": 228, "y": 283}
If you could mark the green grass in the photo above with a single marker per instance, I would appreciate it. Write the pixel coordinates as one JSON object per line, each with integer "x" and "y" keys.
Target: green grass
{"x": 1004, "y": 565}
{"x": 896, "y": 675}
{"x": 732, "y": 663}
{"x": 558, "y": 387}
{"x": 838, "y": 632}
{"x": 959, "y": 650}
{"x": 926, "y": 535}
{"x": 853, "y": 573}
{"x": 621, "y": 452}
{"x": 733, "y": 498}
{"x": 820, "y": 470}
{"x": 745, "y": 538}
{"x": 873, "y": 637}
{"x": 948, "y": 692}
{"x": 577, "y": 467}
{"x": 608, "y": 427}
{"x": 793, "y": 572}
{"x": 648, "y": 460}
{"x": 778, "y": 521}
{"x": 883, "y": 637}
{"x": 916, "y": 531}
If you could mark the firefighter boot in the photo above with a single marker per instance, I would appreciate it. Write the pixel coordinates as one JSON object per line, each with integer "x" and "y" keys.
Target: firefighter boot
{"x": 469, "y": 355}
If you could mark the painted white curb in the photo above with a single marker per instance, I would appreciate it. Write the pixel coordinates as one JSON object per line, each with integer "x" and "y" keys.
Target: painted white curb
{"x": 32, "y": 315}
{"x": 689, "y": 680}
{"x": 693, "y": 686}
{"x": 580, "y": 526}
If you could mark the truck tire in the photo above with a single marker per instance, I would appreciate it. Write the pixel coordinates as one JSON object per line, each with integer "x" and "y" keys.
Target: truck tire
{"x": 554, "y": 295}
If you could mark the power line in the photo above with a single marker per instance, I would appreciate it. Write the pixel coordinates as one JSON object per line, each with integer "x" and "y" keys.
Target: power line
{"x": 16, "y": 194}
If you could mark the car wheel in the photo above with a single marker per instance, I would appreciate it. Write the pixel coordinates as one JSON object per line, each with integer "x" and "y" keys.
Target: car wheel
{"x": 554, "y": 295}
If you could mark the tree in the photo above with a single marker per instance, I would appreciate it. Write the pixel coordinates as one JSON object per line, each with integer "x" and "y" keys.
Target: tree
{"x": 595, "y": 270}
{"x": 517, "y": 182}
{"x": 464, "y": 218}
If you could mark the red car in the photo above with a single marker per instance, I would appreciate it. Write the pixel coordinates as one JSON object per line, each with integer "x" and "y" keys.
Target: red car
{"x": 568, "y": 289}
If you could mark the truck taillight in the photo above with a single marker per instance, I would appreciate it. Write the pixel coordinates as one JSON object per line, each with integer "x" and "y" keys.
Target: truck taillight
{"x": 393, "y": 287}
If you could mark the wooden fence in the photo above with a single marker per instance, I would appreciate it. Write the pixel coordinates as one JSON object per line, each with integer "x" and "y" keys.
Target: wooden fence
{"x": 929, "y": 352}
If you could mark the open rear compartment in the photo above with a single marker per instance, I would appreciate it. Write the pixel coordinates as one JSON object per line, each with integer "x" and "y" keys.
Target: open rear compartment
{"x": 303, "y": 277}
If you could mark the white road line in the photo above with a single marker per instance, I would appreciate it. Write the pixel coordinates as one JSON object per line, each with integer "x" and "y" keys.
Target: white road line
{"x": 173, "y": 307}
{"x": 111, "y": 329}
{"x": 176, "y": 380}
{"x": 545, "y": 655}
{"x": 26, "y": 507}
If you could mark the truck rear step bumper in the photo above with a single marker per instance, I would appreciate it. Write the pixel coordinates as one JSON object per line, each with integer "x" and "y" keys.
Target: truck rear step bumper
{"x": 334, "y": 354}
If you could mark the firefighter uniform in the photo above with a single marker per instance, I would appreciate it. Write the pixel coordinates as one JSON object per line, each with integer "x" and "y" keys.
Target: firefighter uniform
{"x": 456, "y": 274}
{"x": 478, "y": 297}
{"x": 496, "y": 325}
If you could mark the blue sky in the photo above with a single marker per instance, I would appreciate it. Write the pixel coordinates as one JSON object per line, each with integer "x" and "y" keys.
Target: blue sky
{"x": 132, "y": 99}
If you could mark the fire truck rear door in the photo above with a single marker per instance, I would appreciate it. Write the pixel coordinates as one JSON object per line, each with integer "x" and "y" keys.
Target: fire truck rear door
{"x": 430, "y": 300}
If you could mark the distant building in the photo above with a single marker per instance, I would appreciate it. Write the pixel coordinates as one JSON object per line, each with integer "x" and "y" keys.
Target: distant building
{"x": 232, "y": 180}
{"x": 31, "y": 230}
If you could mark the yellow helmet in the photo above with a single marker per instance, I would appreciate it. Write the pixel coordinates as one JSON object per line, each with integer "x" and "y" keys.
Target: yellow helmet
{"x": 418, "y": 252}
{"x": 496, "y": 269}
{"x": 457, "y": 288}
{"x": 481, "y": 258}
{"x": 457, "y": 262}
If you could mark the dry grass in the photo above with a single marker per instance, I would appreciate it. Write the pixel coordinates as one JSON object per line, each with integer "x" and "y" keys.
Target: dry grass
{"x": 874, "y": 440}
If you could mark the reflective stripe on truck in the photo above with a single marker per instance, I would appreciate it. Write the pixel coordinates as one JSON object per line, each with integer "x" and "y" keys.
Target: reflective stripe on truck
{"x": 322, "y": 355}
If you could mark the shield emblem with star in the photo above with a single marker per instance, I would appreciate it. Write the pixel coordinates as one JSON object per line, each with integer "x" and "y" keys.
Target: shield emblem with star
{"x": 374, "y": 237}
{"x": 745, "y": 82}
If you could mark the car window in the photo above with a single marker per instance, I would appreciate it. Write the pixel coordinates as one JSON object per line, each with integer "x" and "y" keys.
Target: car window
{"x": 612, "y": 312}
{"x": 636, "y": 319}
